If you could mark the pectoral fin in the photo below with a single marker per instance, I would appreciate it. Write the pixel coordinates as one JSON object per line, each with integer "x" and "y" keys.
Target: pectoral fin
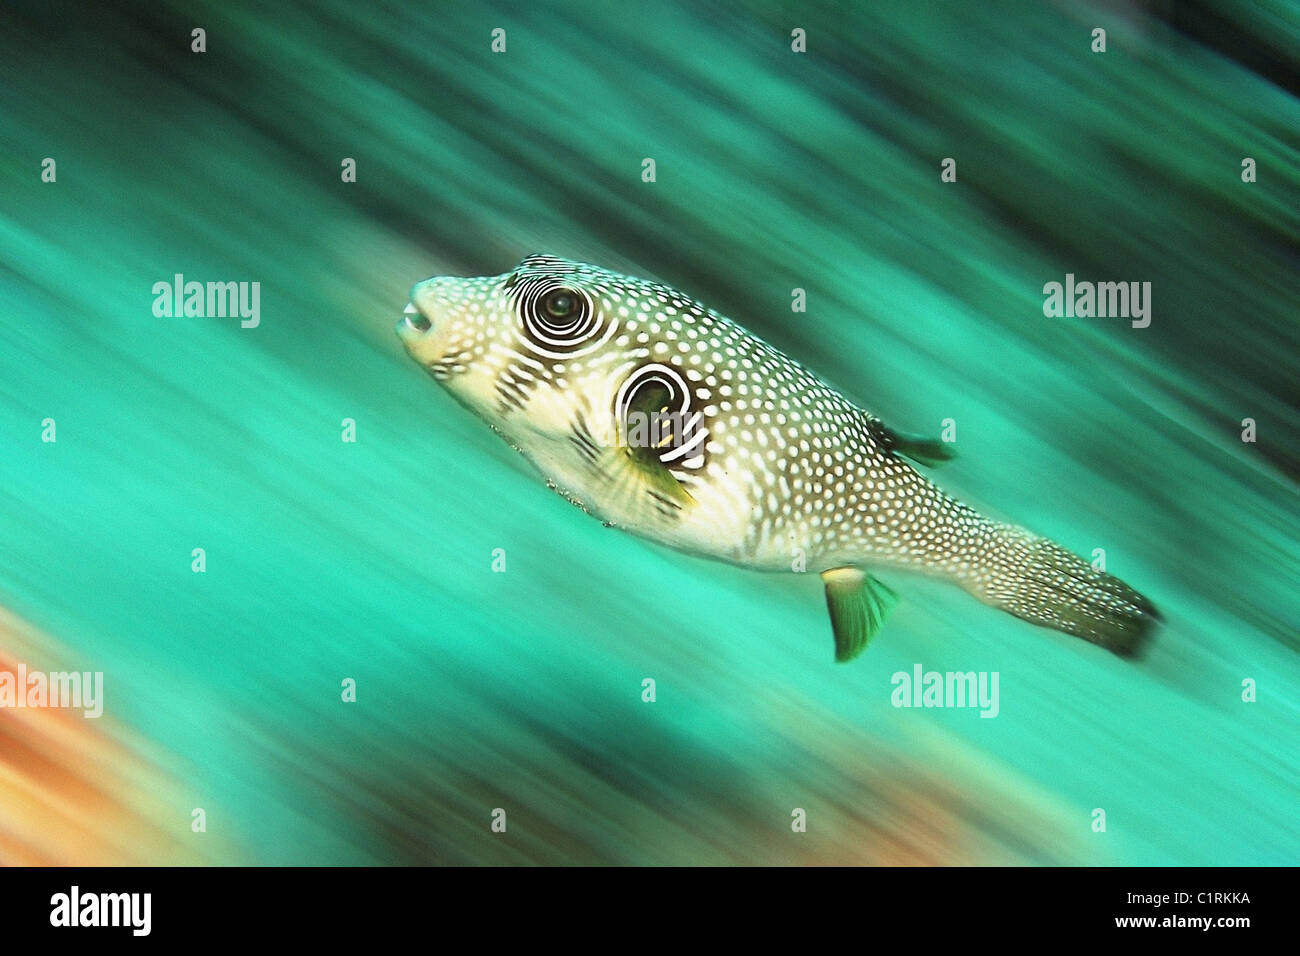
{"x": 658, "y": 479}
{"x": 631, "y": 475}
{"x": 858, "y": 604}
{"x": 640, "y": 458}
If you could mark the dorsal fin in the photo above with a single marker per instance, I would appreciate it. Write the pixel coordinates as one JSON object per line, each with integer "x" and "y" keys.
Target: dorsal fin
{"x": 931, "y": 452}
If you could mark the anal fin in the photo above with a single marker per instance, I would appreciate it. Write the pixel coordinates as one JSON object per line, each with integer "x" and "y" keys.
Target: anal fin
{"x": 858, "y": 605}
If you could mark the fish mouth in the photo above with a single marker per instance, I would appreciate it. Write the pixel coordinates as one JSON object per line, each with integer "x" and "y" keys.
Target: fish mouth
{"x": 414, "y": 319}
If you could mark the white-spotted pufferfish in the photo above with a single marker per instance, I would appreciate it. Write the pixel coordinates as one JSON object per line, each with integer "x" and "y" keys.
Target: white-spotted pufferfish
{"x": 659, "y": 416}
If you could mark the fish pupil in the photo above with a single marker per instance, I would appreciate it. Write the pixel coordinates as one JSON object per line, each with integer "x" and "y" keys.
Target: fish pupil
{"x": 560, "y": 304}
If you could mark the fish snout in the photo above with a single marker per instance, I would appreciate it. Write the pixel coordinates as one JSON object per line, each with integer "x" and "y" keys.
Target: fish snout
{"x": 414, "y": 319}
{"x": 417, "y": 318}
{"x": 431, "y": 301}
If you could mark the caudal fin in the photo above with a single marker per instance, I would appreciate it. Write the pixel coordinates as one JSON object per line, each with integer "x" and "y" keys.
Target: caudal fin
{"x": 1038, "y": 580}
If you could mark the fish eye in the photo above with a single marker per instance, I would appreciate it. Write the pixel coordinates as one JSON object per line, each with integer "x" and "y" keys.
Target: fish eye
{"x": 560, "y": 321}
{"x": 560, "y": 304}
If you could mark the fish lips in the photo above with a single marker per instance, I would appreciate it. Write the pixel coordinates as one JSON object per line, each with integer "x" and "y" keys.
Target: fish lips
{"x": 413, "y": 322}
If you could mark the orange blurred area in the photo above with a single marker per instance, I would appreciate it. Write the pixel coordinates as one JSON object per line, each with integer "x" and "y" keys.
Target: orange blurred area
{"x": 76, "y": 790}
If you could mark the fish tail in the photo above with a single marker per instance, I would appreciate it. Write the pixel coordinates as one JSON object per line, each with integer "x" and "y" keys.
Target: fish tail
{"x": 1039, "y": 581}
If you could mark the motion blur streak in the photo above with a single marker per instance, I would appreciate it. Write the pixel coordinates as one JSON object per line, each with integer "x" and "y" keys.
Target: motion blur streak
{"x": 328, "y": 560}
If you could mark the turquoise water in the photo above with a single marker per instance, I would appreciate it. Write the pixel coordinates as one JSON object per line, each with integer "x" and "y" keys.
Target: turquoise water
{"x": 373, "y": 560}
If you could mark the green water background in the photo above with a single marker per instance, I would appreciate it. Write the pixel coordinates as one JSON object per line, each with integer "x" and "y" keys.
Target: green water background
{"x": 775, "y": 170}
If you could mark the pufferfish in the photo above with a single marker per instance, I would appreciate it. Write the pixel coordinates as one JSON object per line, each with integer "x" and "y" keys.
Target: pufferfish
{"x": 659, "y": 416}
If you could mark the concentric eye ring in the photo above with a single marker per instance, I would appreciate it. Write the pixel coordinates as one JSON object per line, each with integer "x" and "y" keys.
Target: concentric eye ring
{"x": 559, "y": 321}
{"x": 686, "y": 426}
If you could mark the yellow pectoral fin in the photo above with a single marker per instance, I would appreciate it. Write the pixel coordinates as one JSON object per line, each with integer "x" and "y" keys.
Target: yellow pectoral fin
{"x": 633, "y": 479}
{"x": 858, "y": 604}
{"x": 644, "y": 467}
